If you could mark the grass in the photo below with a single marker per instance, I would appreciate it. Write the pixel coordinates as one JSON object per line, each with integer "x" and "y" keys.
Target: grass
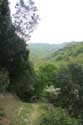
{"x": 15, "y": 112}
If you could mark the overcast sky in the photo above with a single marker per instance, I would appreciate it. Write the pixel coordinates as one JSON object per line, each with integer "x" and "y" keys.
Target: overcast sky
{"x": 61, "y": 21}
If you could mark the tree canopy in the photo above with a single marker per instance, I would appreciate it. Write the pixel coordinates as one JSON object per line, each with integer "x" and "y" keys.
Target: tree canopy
{"x": 26, "y": 18}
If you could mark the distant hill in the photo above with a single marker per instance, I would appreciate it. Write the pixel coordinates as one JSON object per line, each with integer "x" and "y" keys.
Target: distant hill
{"x": 42, "y": 53}
{"x": 41, "y": 50}
{"x": 73, "y": 51}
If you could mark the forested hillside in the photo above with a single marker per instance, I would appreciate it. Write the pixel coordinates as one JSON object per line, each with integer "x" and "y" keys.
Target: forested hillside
{"x": 60, "y": 78}
{"x": 56, "y": 53}
{"x": 73, "y": 51}
{"x": 40, "y": 51}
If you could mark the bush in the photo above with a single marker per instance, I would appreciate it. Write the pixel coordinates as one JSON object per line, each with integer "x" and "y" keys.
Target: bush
{"x": 70, "y": 81}
{"x": 51, "y": 93}
{"x": 4, "y": 81}
{"x": 45, "y": 77}
{"x": 57, "y": 117}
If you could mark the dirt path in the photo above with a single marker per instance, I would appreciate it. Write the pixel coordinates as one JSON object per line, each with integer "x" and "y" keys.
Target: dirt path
{"x": 19, "y": 113}
{"x": 35, "y": 114}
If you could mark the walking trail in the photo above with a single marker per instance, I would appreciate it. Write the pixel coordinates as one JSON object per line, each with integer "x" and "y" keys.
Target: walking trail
{"x": 35, "y": 114}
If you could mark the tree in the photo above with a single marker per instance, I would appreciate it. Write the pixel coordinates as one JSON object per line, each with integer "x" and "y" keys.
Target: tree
{"x": 45, "y": 77}
{"x": 14, "y": 56}
{"x": 69, "y": 79}
{"x": 26, "y": 18}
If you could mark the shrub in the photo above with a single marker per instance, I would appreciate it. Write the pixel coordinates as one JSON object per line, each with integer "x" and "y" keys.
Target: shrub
{"x": 57, "y": 117}
{"x": 4, "y": 81}
{"x": 50, "y": 93}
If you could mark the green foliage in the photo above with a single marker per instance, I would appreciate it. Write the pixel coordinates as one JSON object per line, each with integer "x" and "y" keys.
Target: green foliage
{"x": 51, "y": 93}
{"x": 13, "y": 52}
{"x": 45, "y": 77}
{"x": 69, "y": 79}
{"x": 14, "y": 56}
{"x": 25, "y": 86}
{"x": 61, "y": 84}
{"x": 57, "y": 117}
{"x": 1, "y": 2}
{"x": 66, "y": 76}
{"x": 45, "y": 50}
{"x": 56, "y": 53}
{"x": 73, "y": 51}
{"x": 4, "y": 81}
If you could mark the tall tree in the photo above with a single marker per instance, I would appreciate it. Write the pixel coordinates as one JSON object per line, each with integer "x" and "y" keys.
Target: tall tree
{"x": 13, "y": 51}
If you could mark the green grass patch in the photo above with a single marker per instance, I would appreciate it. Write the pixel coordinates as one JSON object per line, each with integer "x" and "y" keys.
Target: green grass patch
{"x": 19, "y": 113}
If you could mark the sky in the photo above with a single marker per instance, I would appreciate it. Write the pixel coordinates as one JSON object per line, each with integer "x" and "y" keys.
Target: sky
{"x": 61, "y": 21}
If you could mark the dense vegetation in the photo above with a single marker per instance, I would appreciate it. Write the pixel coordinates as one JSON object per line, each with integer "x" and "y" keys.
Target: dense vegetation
{"x": 14, "y": 55}
{"x": 52, "y": 80}
{"x": 73, "y": 51}
{"x": 56, "y": 53}
{"x": 60, "y": 79}
{"x": 15, "y": 112}
{"x": 64, "y": 64}
{"x": 43, "y": 49}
